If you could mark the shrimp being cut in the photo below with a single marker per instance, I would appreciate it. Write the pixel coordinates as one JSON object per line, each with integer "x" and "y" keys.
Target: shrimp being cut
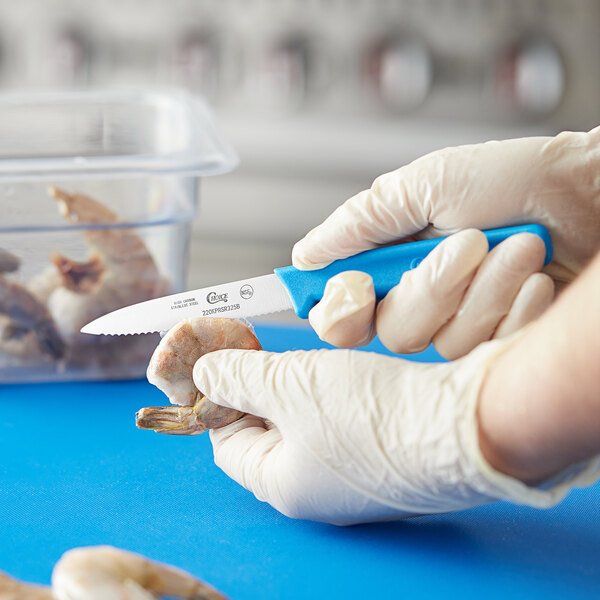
{"x": 107, "y": 573}
{"x": 171, "y": 368}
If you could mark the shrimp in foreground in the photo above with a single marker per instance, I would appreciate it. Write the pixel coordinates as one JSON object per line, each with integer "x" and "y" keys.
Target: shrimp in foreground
{"x": 171, "y": 368}
{"x": 13, "y": 589}
{"x": 25, "y": 318}
{"x": 107, "y": 573}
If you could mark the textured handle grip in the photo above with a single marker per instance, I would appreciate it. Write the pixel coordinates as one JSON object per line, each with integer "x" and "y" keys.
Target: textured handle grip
{"x": 385, "y": 265}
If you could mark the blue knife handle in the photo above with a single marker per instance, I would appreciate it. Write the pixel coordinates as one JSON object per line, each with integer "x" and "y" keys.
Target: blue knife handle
{"x": 385, "y": 265}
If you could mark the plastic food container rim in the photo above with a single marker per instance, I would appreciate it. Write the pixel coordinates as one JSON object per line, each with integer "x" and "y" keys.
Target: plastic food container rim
{"x": 193, "y": 160}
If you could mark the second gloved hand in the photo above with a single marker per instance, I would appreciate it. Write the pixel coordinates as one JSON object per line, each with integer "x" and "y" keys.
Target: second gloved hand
{"x": 344, "y": 436}
{"x": 461, "y": 295}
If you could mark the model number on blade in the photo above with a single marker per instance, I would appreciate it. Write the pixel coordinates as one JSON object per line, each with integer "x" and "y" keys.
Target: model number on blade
{"x": 219, "y": 309}
{"x": 184, "y": 303}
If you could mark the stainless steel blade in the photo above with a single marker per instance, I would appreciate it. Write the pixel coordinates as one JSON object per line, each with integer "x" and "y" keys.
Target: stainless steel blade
{"x": 238, "y": 299}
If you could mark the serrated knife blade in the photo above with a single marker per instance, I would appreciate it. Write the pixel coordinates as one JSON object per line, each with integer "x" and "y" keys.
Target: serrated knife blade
{"x": 238, "y": 299}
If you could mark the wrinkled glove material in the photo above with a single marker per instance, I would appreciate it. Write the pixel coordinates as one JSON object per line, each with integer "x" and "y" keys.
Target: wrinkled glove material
{"x": 358, "y": 436}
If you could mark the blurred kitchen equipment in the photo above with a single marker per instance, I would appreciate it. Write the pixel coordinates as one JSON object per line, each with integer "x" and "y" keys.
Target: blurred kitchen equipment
{"x": 320, "y": 96}
{"x": 98, "y": 190}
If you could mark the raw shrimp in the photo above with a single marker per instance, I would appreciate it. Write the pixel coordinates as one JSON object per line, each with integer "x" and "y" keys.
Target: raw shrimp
{"x": 25, "y": 315}
{"x": 171, "y": 368}
{"x": 122, "y": 250}
{"x": 8, "y": 261}
{"x": 13, "y": 589}
{"x": 80, "y": 277}
{"x": 106, "y": 573}
{"x": 120, "y": 271}
{"x": 27, "y": 331}
{"x": 45, "y": 282}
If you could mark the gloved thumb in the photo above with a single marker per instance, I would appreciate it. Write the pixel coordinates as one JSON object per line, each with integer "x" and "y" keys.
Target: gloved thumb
{"x": 251, "y": 381}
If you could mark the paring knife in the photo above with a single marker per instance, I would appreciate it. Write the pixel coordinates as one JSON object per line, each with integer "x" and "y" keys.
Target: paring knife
{"x": 286, "y": 288}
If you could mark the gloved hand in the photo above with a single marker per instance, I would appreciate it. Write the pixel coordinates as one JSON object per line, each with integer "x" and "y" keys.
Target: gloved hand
{"x": 461, "y": 295}
{"x": 344, "y": 436}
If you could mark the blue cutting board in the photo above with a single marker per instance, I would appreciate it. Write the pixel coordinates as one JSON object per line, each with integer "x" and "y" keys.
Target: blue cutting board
{"x": 75, "y": 471}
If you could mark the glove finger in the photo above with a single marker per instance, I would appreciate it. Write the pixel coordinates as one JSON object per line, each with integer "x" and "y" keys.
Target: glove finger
{"x": 426, "y": 297}
{"x": 252, "y": 381}
{"x": 381, "y": 214}
{"x": 477, "y": 185}
{"x": 296, "y": 485}
{"x": 344, "y": 316}
{"x": 491, "y": 294}
{"x": 534, "y": 297}
{"x": 247, "y": 452}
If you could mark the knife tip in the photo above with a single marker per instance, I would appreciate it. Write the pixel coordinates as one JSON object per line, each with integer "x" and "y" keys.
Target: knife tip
{"x": 89, "y": 329}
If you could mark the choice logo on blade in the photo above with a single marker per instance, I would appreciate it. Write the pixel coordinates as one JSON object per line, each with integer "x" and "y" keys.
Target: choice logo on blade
{"x": 213, "y": 298}
{"x": 246, "y": 291}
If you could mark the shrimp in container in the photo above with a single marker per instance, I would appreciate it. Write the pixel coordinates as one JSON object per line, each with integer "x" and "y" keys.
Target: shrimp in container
{"x": 107, "y": 573}
{"x": 120, "y": 271}
{"x": 8, "y": 261}
{"x": 27, "y": 329}
{"x": 171, "y": 369}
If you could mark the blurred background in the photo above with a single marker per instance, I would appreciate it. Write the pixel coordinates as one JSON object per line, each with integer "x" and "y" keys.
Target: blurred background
{"x": 318, "y": 96}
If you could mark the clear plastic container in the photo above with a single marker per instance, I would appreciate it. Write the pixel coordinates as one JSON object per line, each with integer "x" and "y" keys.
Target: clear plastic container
{"x": 97, "y": 193}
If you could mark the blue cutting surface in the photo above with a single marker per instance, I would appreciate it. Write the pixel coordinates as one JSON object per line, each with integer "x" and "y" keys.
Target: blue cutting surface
{"x": 75, "y": 471}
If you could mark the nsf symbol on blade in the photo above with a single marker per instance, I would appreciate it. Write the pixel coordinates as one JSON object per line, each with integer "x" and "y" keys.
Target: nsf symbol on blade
{"x": 246, "y": 291}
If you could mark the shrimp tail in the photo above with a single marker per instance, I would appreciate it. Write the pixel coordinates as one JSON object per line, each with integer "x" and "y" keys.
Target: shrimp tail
{"x": 175, "y": 583}
{"x": 186, "y": 420}
{"x": 80, "y": 277}
{"x": 172, "y": 420}
{"x": 79, "y": 208}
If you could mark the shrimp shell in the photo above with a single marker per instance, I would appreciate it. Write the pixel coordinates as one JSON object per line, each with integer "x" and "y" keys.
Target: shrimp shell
{"x": 171, "y": 368}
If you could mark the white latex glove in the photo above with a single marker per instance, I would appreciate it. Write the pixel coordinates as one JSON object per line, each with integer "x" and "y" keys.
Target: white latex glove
{"x": 353, "y": 437}
{"x": 461, "y": 295}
